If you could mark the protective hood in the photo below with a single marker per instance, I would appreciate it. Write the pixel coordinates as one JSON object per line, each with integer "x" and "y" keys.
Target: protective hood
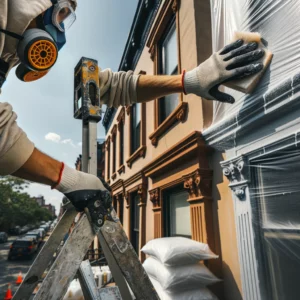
{"x": 15, "y": 16}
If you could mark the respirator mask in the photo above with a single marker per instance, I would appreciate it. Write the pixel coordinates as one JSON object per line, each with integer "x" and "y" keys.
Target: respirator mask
{"x": 38, "y": 48}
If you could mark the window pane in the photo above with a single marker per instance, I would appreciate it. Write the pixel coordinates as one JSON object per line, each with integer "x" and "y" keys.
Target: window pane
{"x": 122, "y": 144}
{"x": 169, "y": 51}
{"x": 167, "y": 105}
{"x": 177, "y": 214}
{"x": 169, "y": 66}
{"x": 136, "y": 127}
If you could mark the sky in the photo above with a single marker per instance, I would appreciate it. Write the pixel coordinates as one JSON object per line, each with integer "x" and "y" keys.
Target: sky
{"x": 45, "y": 107}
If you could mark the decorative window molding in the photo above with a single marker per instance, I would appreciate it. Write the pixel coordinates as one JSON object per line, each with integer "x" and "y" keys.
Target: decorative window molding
{"x": 121, "y": 169}
{"x": 179, "y": 114}
{"x": 237, "y": 171}
{"x": 192, "y": 145}
{"x": 141, "y": 152}
{"x": 199, "y": 186}
{"x": 141, "y": 190}
{"x": 155, "y": 198}
{"x": 168, "y": 11}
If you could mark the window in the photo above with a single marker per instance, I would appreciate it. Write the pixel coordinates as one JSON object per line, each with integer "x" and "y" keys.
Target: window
{"x": 168, "y": 58}
{"x": 177, "y": 220}
{"x": 114, "y": 153}
{"x": 108, "y": 158}
{"x": 135, "y": 127}
{"x": 135, "y": 221}
{"x": 121, "y": 145}
{"x": 277, "y": 211}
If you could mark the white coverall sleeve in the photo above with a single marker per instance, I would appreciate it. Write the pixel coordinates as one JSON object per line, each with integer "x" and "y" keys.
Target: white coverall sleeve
{"x": 118, "y": 88}
{"x": 15, "y": 147}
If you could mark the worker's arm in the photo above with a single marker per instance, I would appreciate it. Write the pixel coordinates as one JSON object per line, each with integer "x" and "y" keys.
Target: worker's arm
{"x": 235, "y": 61}
{"x": 77, "y": 186}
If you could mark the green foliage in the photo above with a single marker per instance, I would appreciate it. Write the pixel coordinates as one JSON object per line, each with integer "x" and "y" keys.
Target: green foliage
{"x": 16, "y": 206}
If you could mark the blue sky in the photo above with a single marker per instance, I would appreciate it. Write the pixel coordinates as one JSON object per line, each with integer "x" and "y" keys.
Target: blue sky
{"x": 45, "y": 107}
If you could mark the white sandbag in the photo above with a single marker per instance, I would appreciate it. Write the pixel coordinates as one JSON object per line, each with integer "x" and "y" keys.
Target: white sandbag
{"x": 178, "y": 251}
{"x": 179, "y": 278}
{"x": 196, "y": 294}
{"x": 74, "y": 291}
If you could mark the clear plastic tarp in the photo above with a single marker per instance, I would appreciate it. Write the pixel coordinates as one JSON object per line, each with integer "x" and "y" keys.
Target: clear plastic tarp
{"x": 278, "y": 22}
{"x": 269, "y": 243}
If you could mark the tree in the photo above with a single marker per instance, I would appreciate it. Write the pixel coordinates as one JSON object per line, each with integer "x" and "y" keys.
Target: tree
{"x": 16, "y": 206}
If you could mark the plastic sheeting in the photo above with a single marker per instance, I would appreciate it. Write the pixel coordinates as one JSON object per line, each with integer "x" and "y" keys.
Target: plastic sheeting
{"x": 278, "y": 21}
{"x": 275, "y": 200}
{"x": 268, "y": 217}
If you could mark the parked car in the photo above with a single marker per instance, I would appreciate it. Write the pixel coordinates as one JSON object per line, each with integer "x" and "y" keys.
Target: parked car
{"x": 43, "y": 231}
{"x": 36, "y": 235}
{"x": 15, "y": 230}
{"x": 3, "y": 237}
{"x": 24, "y": 229}
{"x": 23, "y": 247}
{"x": 46, "y": 227}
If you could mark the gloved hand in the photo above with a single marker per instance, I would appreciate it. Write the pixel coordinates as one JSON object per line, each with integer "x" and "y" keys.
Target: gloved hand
{"x": 80, "y": 188}
{"x": 234, "y": 61}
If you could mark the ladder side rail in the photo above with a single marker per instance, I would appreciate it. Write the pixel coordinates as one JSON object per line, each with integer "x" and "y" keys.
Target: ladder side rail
{"x": 87, "y": 281}
{"x": 45, "y": 256}
{"x": 66, "y": 265}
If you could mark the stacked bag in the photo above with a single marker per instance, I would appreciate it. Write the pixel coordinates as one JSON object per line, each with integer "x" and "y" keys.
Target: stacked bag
{"x": 175, "y": 269}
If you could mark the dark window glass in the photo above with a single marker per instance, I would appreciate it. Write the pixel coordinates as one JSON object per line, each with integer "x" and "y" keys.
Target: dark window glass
{"x": 114, "y": 153}
{"x": 136, "y": 127}
{"x": 177, "y": 213}
{"x": 108, "y": 161}
{"x": 121, "y": 210}
{"x": 121, "y": 144}
{"x": 135, "y": 221}
{"x": 168, "y": 66}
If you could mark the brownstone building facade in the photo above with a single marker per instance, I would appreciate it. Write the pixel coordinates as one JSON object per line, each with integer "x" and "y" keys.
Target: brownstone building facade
{"x": 166, "y": 180}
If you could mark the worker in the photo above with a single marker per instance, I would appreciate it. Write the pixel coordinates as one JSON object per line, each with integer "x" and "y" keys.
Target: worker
{"x": 24, "y": 23}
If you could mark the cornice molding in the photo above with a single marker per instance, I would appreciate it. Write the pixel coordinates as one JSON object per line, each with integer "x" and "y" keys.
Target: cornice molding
{"x": 121, "y": 116}
{"x": 268, "y": 106}
{"x": 191, "y": 146}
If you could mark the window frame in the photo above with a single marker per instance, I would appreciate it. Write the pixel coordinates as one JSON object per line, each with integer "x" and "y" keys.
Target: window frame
{"x": 108, "y": 167}
{"x": 141, "y": 151}
{"x": 114, "y": 151}
{"x": 168, "y": 12}
{"x": 121, "y": 129}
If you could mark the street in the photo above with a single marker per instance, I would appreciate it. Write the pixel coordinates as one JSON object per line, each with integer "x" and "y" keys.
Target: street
{"x": 9, "y": 270}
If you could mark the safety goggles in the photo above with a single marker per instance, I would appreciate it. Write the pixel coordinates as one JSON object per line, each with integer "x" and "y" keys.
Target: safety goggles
{"x": 63, "y": 15}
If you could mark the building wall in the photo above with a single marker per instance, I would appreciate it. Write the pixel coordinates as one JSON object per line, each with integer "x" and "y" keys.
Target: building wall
{"x": 184, "y": 152}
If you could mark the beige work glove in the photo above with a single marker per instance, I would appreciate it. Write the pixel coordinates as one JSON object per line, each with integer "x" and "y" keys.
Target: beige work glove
{"x": 81, "y": 188}
{"x": 235, "y": 61}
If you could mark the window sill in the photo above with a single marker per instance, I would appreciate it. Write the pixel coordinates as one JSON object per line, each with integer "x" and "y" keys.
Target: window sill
{"x": 141, "y": 152}
{"x": 178, "y": 115}
{"x": 121, "y": 169}
{"x": 114, "y": 176}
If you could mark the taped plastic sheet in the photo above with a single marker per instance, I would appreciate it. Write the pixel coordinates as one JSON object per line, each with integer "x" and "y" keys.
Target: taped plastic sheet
{"x": 278, "y": 22}
{"x": 275, "y": 202}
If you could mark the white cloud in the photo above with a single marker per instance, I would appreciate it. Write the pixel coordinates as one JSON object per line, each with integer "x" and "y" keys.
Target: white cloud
{"x": 53, "y": 137}
{"x": 68, "y": 142}
{"x": 80, "y": 144}
{"x": 56, "y": 138}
